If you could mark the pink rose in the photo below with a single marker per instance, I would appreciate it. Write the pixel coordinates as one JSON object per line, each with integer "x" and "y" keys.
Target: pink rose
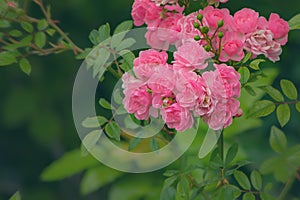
{"x": 162, "y": 100}
{"x": 279, "y": 27}
{"x": 224, "y": 82}
{"x": 138, "y": 101}
{"x": 246, "y": 20}
{"x": 187, "y": 28}
{"x": 232, "y": 47}
{"x": 214, "y": 15}
{"x": 130, "y": 83}
{"x": 177, "y": 117}
{"x": 162, "y": 81}
{"x": 191, "y": 55}
{"x": 154, "y": 41}
{"x": 147, "y": 62}
{"x": 261, "y": 42}
{"x": 222, "y": 115}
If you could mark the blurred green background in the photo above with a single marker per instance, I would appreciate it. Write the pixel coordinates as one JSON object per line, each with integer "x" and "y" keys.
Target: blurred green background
{"x": 36, "y": 125}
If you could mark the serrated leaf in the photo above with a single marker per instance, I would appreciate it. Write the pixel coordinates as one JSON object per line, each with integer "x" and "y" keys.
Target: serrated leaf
{"x": 289, "y": 89}
{"x": 104, "y": 103}
{"x": 242, "y": 179}
{"x": 27, "y": 27}
{"x": 42, "y": 24}
{"x": 245, "y": 75}
{"x": 298, "y": 106}
{"x": 277, "y": 140}
{"x": 98, "y": 177}
{"x": 25, "y": 66}
{"x": 256, "y": 180}
{"x": 124, "y": 26}
{"x": 16, "y": 196}
{"x": 261, "y": 109}
{"x": 283, "y": 114}
{"x": 255, "y": 64}
{"x": 69, "y": 164}
{"x": 15, "y": 33}
{"x": 154, "y": 145}
{"x": 125, "y": 44}
{"x": 250, "y": 90}
{"x": 274, "y": 93}
{"x": 248, "y": 196}
{"x": 94, "y": 122}
{"x": 134, "y": 142}
{"x": 40, "y": 39}
{"x": 112, "y": 129}
{"x": 91, "y": 139}
{"x": 231, "y": 154}
{"x": 294, "y": 22}
{"x": 7, "y": 58}
{"x": 247, "y": 57}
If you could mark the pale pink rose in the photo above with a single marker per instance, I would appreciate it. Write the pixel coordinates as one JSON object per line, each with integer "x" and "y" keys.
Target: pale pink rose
{"x": 279, "y": 27}
{"x": 154, "y": 41}
{"x": 222, "y": 115}
{"x": 188, "y": 88}
{"x": 232, "y": 47}
{"x": 162, "y": 81}
{"x": 138, "y": 102}
{"x": 223, "y": 82}
{"x": 162, "y": 100}
{"x": 169, "y": 29}
{"x": 246, "y": 20}
{"x": 261, "y": 42}
{"x": 214, "y": 15}
{"x": 130, "y": 83}
{"x": 145, "y": 11}
{"x": 163, "y": 2}
{"x": 187, "y": 28}
{"x": 147, "y": 62}
{"x": 177, "y": 117}
{"x": 191, "y": 55}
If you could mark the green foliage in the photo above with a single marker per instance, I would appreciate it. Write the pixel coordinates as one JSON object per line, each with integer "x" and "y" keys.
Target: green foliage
{"x": 278, "y": 140}
{"x": 283, "y": 114}
{"x": 69, "y": 164}
{"x": 255, "y": 64}
{"x": 289, "y": 89}
{"x": 16, "y": 196}
{"x": 112, "y": 129}
{"x": 294, "y": 22}
{"x": 7, "y": 58}
{"x": 245, "y": 75}
{"x": 91, "y": 139}
{"x": 274, "y": 93}
{"x": 242, "y": 179}
{"x": 104, "y": 103}
{"x": 209, "y": 142}
{"x": 256, "y": 180}
{"x": 94, "y": 122}
{"x": 25, "y": 66}
{"x": 262, "y": 108}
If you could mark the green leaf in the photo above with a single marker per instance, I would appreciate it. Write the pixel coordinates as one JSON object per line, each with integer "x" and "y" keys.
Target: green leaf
{"x": 69, "y": 164}
{"x": 170, "y": 173}
{"x": 4, "y": 24}
{"x": 283, "y": 114}
{"x": 98, "y": 58}
{"x": 154, "y": 145}
{"x": 256, "y": 180}
{"x": 16, "y": 196}
{"x": 168, "y": 193}
{"x": 248, "y": 196}
{"x": 15, "y": 33}
{"x": 104, "y": 32}
{"x": 294, "y": 22}
{"x": 298, "y": 106}
{"x": 84, "y": 54}
{"x": 104, "y": 104}
{"x": 50, "y": 31}
{"x": 247, "y": 57}
{"x": 7, "y": 58}
{"x": 209, "y": 142}
{"x": 268, "y": 165}
{"x": 183, "y": 189}
{"x": 117, "y": 96}
{"x": 134, "y": 142}
{"x": 242, "y": 179}
{"x": 262, "y": 108}
{"x": 289, "y": 89}
{"x": 124, "y": 26}
{"x": 94, "y": 37}
{"x": 27, "y": 27}
{"x": 125, "y": 44}
{"x": 94, "y": 122}
{"x": 274, "y": 93}
{"x": 250, "y": 90}
{"x": 96, "y": 178}
{"x": 42, "y": 24}
{"x": 40, "y": 39}
{"x": 113, "y": 130}
{"x": 129, "y": 123}
{"x": 255, "y": 64}
{"x": 25, "y": 66}
{"x": 245, "y": 75}
{"x": 128, "y": 58}
{"x": 277, "y": 140}
{"x": 91, "y": 139}
{"x": 231, "y": 154}
{"x": 26, "y": 41}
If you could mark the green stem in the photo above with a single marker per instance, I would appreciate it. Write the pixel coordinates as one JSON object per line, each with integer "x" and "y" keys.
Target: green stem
{"x": 221, "y": 146}
{"x": 286, "y": 188}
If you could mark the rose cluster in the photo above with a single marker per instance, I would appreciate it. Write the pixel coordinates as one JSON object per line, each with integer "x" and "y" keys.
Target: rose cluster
{"x": 185, "y": 88}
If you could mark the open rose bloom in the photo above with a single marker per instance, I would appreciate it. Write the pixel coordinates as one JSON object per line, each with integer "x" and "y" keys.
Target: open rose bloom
{"x": 186, "y": 88}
